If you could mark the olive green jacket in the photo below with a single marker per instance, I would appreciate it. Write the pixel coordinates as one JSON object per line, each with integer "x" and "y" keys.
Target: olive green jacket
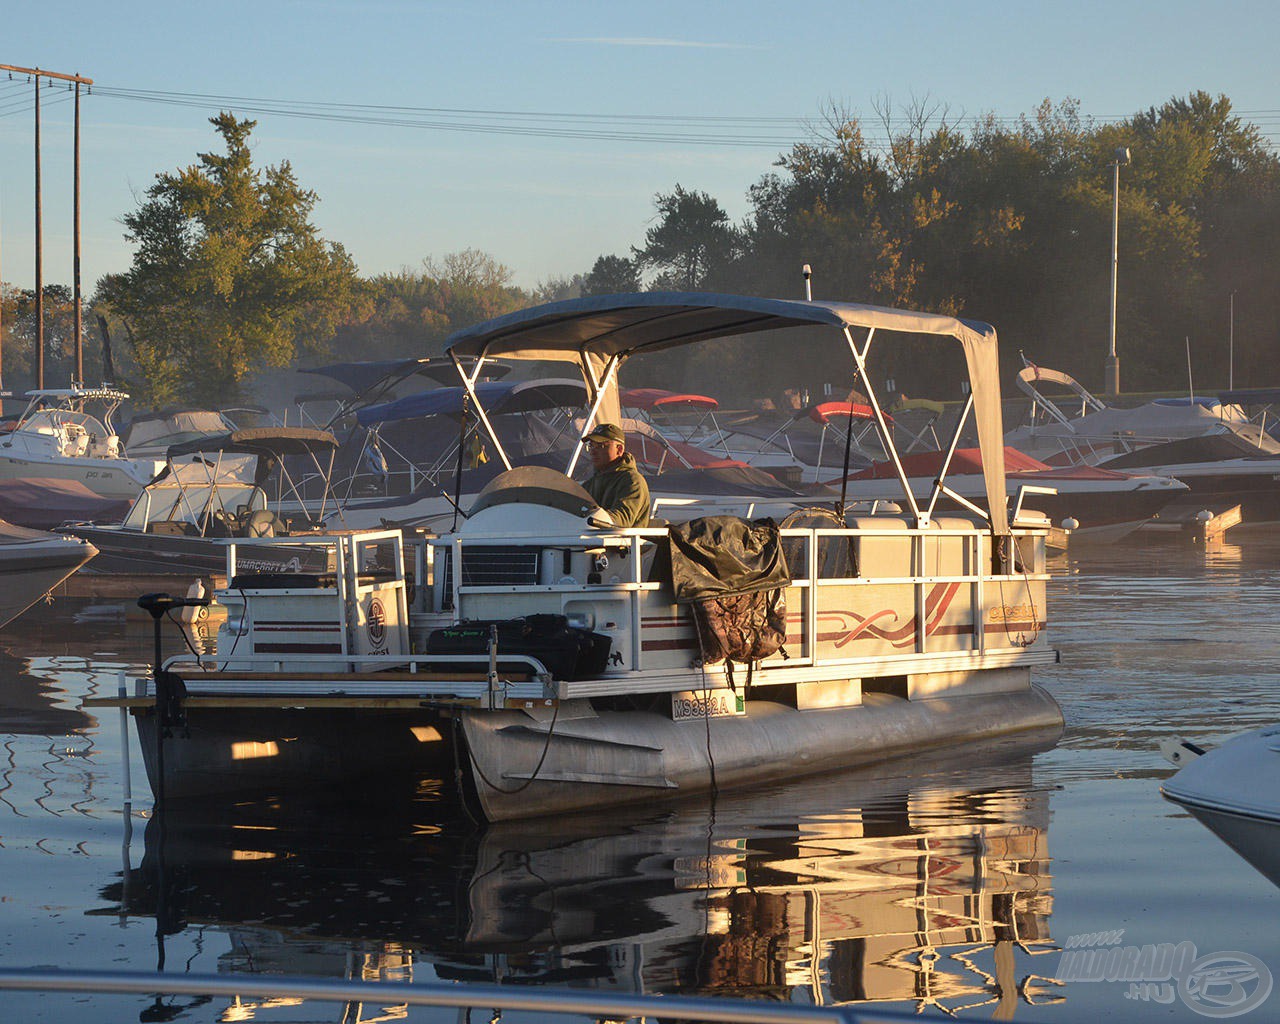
{"x": 621, "y": 491}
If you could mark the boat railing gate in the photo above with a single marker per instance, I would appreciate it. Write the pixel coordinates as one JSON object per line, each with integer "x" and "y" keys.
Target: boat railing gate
{"x": 591, "y": 1005}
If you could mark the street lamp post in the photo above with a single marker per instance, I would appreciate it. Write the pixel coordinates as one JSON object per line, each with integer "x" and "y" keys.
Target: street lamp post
{"x": 1112, "y": 372}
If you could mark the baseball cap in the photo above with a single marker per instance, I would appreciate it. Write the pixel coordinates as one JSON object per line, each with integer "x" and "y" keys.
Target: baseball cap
{"x": 606, "y": 432}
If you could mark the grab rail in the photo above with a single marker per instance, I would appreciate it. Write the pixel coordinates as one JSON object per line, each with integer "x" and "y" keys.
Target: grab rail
{"x": 512, "y": 997}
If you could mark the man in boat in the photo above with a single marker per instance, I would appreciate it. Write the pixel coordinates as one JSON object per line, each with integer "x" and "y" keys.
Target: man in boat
{"x": 617, "y": 484}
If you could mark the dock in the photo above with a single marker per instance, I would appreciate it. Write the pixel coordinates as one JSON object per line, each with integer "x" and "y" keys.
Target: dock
{"x": 1191, "y": 523}
{"x": 128, "y": 586}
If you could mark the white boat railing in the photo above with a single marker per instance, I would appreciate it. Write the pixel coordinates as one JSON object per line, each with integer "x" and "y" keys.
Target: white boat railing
{"x": 593, "y": 1005}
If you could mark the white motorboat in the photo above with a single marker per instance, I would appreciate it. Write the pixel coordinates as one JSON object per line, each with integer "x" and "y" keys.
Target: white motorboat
{"x": 181, "y": 521}
{"x": 1095, "y": 504}
{"x": 32, "y": 563}
{"x": 57, "y": 437}
{"x": 568, "y": 664}
{"x": 1234, "y": 790}
{"x": 1082, "y": 429}
{"x": 1224, "y": 458}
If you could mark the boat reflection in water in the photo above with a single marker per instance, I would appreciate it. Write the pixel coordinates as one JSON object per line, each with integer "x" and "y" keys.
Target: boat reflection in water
{"x": 922, "y": 883}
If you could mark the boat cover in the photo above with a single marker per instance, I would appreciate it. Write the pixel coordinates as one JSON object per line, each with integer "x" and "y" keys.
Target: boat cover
{"x": 45, "y": 502}
{"x": 596, "y": 329}
{"x": 1207, "y": 448}
{"x": 271, "y": 441}
{"x": 364, "y": 375}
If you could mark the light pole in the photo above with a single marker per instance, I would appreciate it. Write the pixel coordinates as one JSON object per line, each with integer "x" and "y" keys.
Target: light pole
{"x": 1231, "y": 341}
{"x": 1112, "y": 373}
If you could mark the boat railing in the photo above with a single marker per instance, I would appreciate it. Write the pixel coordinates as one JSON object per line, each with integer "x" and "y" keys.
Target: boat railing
{"x": 881, "y": 598}
{"x": 488, "y": 997}
{"x": 949, "y": 596}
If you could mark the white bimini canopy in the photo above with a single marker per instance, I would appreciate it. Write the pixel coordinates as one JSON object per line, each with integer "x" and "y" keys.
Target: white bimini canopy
{"x": 601, "y": 332}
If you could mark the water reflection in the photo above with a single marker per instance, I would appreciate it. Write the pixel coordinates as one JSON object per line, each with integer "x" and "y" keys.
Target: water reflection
{"x": 925, "y": 884}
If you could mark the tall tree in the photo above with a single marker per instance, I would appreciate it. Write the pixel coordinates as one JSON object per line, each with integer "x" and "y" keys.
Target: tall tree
{"x": 693, "y": 235}
{"x": 611, "y": 275}
{"x": 229, "y": 275}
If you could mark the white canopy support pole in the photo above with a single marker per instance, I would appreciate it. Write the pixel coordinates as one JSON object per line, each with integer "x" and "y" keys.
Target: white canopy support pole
{"x": 961, "y": 500}
{"x": 939, "y": 487}
{"x": 599, "y": 388}
{"x": 886, "y": 438}
{"x": 469, "y": 382}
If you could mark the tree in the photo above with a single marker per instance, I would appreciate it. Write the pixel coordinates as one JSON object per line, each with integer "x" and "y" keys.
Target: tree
{"x": 229, "y": 276}
{"x": 611, "y": 275}
{"x": 414, "y": 311}
{"x": 693, "y": 235}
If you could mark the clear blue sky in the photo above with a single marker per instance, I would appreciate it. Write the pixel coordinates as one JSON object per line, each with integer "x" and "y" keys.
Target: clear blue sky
{"x": 547, "y": 206}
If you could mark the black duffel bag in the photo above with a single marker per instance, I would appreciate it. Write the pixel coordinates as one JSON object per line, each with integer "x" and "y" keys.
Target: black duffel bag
{"x": 568, "y": 652}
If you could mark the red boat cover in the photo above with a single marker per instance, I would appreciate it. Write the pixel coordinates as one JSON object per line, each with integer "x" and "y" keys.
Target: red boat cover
{"x": 969, "y": 460}
{"x": 823, "y": 412}
{"x": 657, "y": 398}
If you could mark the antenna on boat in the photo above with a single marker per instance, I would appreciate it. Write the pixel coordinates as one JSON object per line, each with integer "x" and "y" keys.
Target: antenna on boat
{"x": 462, "y": 444}
{"x": 807, "y": 271}
{"x": 1191, "y": 386}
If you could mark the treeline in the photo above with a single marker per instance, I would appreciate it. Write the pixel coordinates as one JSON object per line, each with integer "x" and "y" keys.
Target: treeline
{"x": 1008, "y": 223}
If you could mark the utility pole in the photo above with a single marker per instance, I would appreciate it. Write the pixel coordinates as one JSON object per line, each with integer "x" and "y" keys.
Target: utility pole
{"x": 78, "y": 81}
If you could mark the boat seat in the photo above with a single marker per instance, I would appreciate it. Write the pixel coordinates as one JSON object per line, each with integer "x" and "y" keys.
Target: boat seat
{"x": 261, "y": 523}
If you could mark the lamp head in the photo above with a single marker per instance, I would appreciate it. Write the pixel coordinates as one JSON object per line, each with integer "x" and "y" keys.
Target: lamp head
{"x": 1122, "y": 156}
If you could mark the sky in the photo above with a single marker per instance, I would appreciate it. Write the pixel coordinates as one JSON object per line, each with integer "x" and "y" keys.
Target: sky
{"x": 541, "y": 132}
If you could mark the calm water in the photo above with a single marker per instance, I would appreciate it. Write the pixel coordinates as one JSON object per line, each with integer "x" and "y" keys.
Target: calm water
{"x": 943, "y": 884}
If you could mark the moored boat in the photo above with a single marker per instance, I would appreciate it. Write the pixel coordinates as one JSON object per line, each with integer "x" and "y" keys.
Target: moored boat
{"x": 1234, "y": 790}
{"x": 57, "y": 437}
{"x": 32, "y": 563}
{"x": 568, "y": 664}
{"x": 180, "y": 523}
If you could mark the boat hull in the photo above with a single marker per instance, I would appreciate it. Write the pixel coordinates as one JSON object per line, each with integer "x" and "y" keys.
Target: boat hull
{"x": 611, "y": 759}
{"x": 29, "y": 569}
{"x": 131, "y": 552}
{"x": 266, "y": 750}
{"x": 525, "y": 769}
{"x": 111, "y": 479}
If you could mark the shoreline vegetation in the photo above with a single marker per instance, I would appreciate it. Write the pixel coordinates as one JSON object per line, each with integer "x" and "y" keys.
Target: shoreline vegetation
{"x": 1003, "y": 221}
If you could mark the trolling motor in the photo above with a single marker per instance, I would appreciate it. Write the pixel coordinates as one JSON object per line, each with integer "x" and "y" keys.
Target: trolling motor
{"x": 169, "y": 688}
{"x": 170, "y": 712}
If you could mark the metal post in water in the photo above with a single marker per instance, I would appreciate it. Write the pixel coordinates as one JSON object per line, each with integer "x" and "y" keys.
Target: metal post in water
{"x": 39, "y": 253}
{"x": 76, "y": 260}
{"x": 123, "y": 691}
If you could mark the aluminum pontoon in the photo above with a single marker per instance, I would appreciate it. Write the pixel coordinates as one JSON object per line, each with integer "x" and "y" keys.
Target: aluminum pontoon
{"x": 567, "y": 664}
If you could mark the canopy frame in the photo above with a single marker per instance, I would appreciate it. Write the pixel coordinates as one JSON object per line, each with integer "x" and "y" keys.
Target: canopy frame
{"x": 599, "y": 333}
